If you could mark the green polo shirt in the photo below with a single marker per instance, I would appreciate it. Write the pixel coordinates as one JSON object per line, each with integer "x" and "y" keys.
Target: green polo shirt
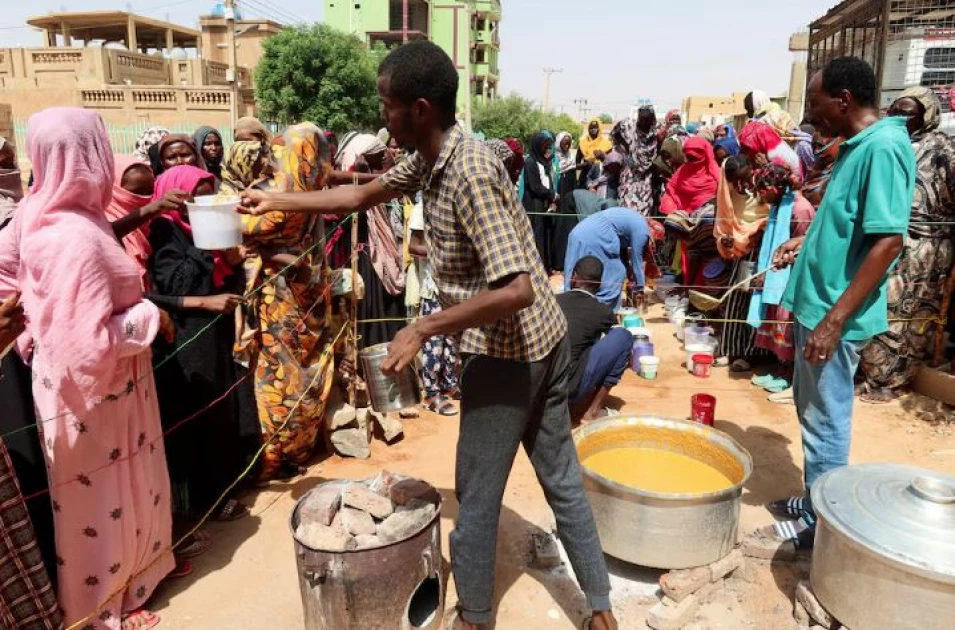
{"x": 869, "y": 194}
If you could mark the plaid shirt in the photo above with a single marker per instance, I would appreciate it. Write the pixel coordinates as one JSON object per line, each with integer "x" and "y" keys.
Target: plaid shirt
{"x": 27, "y": 599}
{"x": 478, "y": 233}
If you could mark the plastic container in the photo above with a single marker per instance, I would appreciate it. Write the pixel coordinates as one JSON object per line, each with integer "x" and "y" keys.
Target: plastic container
{"x": 641, "y": 332}
{"x": 649, "y": 367}
{"x": 632, "y": 321}
{"x": 215, "y": 223}
{"x": 642, "y": 347}
{"x": 703, "y": 409}
{"x": 695, "y": 349}
{"x": 697, "y": 335}
{"x": 701, "y": 365}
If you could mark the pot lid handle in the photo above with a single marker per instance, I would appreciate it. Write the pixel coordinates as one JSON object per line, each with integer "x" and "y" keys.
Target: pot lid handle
{"x": 933, "y": 490}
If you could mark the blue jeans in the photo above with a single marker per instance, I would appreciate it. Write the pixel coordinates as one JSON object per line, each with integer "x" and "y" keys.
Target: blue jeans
{"x": 606, "y": 364}
{"x": 824, "y": 395}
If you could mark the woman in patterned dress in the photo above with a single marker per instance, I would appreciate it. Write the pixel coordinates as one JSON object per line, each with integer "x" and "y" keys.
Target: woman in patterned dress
{"x": 293, "y": 371}
{"x": 639, "y": 141}
{"x": 890, "y": 360}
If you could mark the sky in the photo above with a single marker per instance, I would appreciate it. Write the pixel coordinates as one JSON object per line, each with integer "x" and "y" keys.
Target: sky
{"x": 612, "y": 52}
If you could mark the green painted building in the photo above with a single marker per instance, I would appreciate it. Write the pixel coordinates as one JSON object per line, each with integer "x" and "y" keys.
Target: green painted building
{"x": 466, "y": 29}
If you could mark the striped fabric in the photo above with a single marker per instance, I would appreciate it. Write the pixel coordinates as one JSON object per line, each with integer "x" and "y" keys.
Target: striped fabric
{"x": 478, "y": 233}
{"x": 27, "y": 599}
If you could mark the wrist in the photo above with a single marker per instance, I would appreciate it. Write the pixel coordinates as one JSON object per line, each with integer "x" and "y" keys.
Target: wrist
{"x": 424, "y": 328}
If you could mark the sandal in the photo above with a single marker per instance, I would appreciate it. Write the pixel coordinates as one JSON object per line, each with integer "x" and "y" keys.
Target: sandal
{"x": 194, "y": 545}
{"x": 183, "y": 568}
{"x": 762, "y": 381}
{"x": 880, "y": 396}
{"x": 793, "y": 507}
{"x": 740, "y": 365}
{"x": 801, "y": 533}
{"x": 721, "y": 362}
{"x": 231, "y": 510}
{"x": 777, "y": 385}
{"x": 140, "y": 620}
{"x": 454, "y": 393}
{"x": 441, "y": 406}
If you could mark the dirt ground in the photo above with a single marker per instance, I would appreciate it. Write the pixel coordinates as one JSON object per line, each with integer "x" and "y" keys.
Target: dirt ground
{"x": 248, "y": 579}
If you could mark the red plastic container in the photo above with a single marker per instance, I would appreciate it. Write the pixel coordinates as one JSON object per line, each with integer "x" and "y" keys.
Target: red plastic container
{"x": 701, "y": 365}
{"x": 703, "y": 409}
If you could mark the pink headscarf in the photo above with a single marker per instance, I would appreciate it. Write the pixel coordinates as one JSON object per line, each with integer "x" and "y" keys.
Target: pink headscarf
{"x": 123, "y": 203}
{"x": 188, "y": 178}
{"x": 696, "y": 181}
{"x": 74, "y": 275}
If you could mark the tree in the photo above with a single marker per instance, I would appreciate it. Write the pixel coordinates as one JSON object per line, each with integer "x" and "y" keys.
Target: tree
{"x": 318, "y": 74}
{"x": 517, "y": 117}
{"x": 606, "y": 119}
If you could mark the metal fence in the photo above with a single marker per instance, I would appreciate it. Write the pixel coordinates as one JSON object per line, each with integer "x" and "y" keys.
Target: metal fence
{"x": 907, "y": 42}
{"x": 122, "y": 137}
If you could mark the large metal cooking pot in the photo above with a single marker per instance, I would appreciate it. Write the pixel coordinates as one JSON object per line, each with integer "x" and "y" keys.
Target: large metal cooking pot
{"x": 884, "y": 554}
{"x": 666, "y": 531}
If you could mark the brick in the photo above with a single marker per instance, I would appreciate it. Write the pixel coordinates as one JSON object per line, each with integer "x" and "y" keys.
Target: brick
{"x": 800, "y": 614}
{"x": 670, "y": 615}
{"x": 317, "y": 536}
{"x": 357, "y": 522}
{"x": 401, "y": 492}
{"x": 351, "y": 443}
{"x": 680, "y": 584}
{"x": 343, "y": 415}
{"x": 382, "y": 483}
{"x": 817, "y": 613}
{"x": 723, "y": 567}
{"x": 403, "y": 525}
{"x": 321, "y": 505}
{"x": 545, "y": 553}
{"x": 366, "y": 541}
{"x": 764, "y": 549}
{"x": 358, "y": 496}
{"x": 391, "y": 427}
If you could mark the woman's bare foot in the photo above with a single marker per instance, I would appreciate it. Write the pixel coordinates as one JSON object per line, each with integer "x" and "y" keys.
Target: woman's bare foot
{"x": 603, "y": 620}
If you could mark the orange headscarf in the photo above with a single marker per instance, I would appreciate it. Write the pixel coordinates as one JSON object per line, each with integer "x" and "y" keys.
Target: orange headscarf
{"x": 739, "y": 216}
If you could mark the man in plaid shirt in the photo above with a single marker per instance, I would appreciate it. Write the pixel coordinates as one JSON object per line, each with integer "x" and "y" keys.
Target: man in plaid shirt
{"x": 494, "y": 292}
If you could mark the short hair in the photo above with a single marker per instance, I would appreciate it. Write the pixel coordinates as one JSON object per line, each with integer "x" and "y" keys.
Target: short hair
{"x": 589, "y": 269}
{"x": 421, "y": 70}
{"x": 853, "y": 75}
{"x": 734, "y": 164}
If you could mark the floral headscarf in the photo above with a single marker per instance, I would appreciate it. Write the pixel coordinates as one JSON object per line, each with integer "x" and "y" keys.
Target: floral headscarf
{"x": 146, "y": 139}
{"x": 246, "y": 164}
{"x": 930, "y": 103}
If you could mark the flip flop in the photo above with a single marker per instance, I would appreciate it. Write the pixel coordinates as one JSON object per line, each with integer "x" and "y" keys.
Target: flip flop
{"x": 183, "y": 568}
{"x": 793, "y": 507}
{"x": 231, "y": 510}
{"x": 740, "y": 365}
{"x": 140, "y": 620}
{"x": 880, "y": 396}
{"x": 777, "y": 385}
{"x": 441, "y": 406}
{"x": 762, "y": 381}
{"x": 193, "y": 546}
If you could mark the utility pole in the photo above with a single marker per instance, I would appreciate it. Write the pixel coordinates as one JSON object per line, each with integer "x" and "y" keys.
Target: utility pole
{"x": 548, "y": 73}
{"x": 582, "y": 108}
{"x": 232, "y": 75}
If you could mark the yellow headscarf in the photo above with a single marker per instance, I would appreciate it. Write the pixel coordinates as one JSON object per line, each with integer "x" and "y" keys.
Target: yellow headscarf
{"x": 589, "y": 146}
{"x": 245, "y": 165}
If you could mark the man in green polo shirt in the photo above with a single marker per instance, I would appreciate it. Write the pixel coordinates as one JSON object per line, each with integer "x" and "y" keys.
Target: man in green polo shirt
{"x": 837, "y": 290}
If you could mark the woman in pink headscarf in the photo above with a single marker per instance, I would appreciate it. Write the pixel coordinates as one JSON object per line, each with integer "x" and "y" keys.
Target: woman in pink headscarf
{"x": 88, "y": 340}
{"x": 133, "y": 207}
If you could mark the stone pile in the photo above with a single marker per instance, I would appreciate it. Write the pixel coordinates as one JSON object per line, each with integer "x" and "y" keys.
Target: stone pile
{"x": 360, "y": 515}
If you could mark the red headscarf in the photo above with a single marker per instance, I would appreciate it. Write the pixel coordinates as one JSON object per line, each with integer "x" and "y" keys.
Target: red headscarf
{"x": 517, "y": 163}
{"x": 188, "y": 178}
{"x": 696, "y": 181}
{"x": 758, "y": 137}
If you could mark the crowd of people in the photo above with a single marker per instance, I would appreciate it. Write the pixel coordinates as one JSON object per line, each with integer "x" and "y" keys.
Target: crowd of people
{"x": 148, "y": 376}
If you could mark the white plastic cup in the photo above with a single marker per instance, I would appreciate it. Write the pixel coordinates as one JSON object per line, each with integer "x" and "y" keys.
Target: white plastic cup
{"x": 649, "y": 367}
{"x": 215, "y": 223}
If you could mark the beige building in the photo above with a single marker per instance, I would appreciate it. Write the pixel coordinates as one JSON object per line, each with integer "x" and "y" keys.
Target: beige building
{"x": 249, "y": 36}
{"x": 133, "y": 70}
{"x": 711, "y": 110}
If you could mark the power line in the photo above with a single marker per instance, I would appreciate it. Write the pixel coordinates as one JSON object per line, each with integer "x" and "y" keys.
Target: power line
{"x": 272, "y": 11}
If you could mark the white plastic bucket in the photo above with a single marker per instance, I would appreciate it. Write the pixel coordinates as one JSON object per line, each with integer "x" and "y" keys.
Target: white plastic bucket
{"x": 215, "y": 223}
{"x": 649, "y": 367}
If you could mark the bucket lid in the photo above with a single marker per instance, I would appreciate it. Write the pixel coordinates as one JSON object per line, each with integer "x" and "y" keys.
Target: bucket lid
{"x": 703, "y": 359}
{"x": 903, "y": 514}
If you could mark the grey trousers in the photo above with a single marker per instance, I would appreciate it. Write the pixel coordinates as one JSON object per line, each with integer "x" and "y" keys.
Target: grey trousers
{"x": 505, "y": 404}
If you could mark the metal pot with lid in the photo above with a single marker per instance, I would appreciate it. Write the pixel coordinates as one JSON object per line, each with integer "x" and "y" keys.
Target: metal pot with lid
{"x": 884, "y": 554}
